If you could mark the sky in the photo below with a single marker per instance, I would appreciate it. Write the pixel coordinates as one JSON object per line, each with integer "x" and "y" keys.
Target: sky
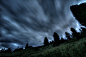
{"x": 30, "y": 21}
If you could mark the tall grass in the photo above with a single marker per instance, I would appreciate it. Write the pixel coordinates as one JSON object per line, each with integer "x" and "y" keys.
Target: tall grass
{"x": 71, "y": 49}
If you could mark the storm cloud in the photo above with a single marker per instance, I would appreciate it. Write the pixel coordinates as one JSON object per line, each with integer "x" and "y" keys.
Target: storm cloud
{"x": 30, "y": 21}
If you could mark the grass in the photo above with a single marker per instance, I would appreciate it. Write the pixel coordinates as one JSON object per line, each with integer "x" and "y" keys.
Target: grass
{"x": 71, "y": 49}
{"x": 74, "y": 49}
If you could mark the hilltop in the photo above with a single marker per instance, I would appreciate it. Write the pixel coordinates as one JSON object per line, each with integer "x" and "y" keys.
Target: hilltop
{"x": 67, "y": 49}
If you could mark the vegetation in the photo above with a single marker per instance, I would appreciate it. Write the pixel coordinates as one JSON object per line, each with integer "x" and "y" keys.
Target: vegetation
{"x": 73, "y": 49}
{"x": 79, "y": 11}
{"x": 46, "y": 43}
{"x": 26, "y": 46}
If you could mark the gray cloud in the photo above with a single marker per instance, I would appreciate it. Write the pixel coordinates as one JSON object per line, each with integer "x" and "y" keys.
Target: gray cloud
{"x": 29, "y": 21}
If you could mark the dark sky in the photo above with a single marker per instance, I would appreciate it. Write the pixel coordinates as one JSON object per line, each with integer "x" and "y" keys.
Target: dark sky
{"x": 30, "y": 21}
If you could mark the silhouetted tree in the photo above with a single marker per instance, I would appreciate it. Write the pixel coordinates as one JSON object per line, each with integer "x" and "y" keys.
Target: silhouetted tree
{"x": 8, "y": 50}
{"x": 83, "y": 30}
{"x": 68, "y": 36}
{"x": 85, "y": 43}
{"x": 46, "y": 43}
{"x": 51, "y": 42}
{"x": 79, "y": 11}
{"x": 29, "y": 46}
{"x": 2, "y": 50}
{"x": 21, "y": 48}
{"x": 18, "y": 49}
{"x": 56, "y": 38}
{"x": 62, "y": 40}
{"x": 26, "y": 46}
{"x": 74, "y": 32}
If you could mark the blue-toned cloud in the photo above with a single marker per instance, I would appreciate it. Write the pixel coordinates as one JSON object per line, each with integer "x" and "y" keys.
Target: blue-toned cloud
{"x": 29, "y": 21}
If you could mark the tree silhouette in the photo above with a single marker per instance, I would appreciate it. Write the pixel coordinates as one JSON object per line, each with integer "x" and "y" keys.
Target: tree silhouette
{"x": 29, "y": 46}
{"x": 21, "y": 48}
{"x": 18, "y": 49}
{"x": 51, "y": 42}
{"x": 85, "y": 43}
{"x": 8, "y": 50}
{"x": 46, "y": 43}
{"x": 5, "y": 51}
{"x": 2, "y": 50}
{"x": 56, "y": 38}
{"x": 26, "y": 46}
{"x": 74, "y": 32}
{"x": 68, "y": 36}
{"x": 79, "y": 11}
{"x": 62, "y": 40}
{"x": 83, "y": 30}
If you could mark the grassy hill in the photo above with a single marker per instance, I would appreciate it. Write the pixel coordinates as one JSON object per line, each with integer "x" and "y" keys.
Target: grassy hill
{"x": 73, "y": 49}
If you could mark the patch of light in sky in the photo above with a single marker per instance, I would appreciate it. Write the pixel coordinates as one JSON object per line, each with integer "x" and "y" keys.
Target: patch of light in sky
{"x": 3, "y": 48}
{"x": 15, "y": 44}
{"x": 78, "y": 27}
{"x": 81, "y": 2}
{"x": 64, "y": 37}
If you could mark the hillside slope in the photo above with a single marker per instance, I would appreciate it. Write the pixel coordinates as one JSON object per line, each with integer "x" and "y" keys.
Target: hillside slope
{"x": 73, "y": 49}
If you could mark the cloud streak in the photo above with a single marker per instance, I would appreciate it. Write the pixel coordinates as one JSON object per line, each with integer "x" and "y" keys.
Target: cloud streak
{"x": 29, "y": 21}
